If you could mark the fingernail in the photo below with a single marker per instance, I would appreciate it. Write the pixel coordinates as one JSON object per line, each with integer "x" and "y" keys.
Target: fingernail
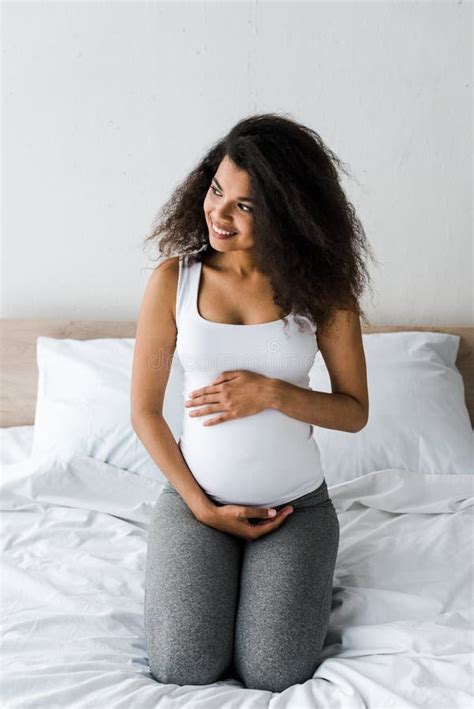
{"x": 271, "y": 513}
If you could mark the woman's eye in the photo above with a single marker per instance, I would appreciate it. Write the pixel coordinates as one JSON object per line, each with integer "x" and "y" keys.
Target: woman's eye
{"x": 214, "y": 189}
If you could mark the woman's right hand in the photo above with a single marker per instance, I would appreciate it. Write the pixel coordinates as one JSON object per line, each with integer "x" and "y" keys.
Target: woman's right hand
{"x": 235, "y": 519}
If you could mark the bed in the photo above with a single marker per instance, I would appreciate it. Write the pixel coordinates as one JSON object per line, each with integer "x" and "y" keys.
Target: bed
{"x": 78, "y": 491}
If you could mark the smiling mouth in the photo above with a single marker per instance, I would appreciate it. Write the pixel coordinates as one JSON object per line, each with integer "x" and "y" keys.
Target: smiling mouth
{"x": 221, "y": 236}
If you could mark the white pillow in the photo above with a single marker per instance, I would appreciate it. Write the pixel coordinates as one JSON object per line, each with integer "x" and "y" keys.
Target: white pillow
{"x": 418, "y": 419}
{"x": 83, "y": 403}
{"x": 15, "y": 443}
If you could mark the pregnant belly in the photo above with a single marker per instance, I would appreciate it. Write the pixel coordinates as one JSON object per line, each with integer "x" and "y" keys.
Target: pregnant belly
{"x": 264, "y": 459}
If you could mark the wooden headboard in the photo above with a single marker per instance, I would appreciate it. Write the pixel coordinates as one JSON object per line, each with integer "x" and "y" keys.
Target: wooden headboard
{"x": 19, "y": 374}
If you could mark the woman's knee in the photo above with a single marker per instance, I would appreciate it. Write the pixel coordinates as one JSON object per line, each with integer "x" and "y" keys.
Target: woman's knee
{"x": 266, "y": 673}
{"x": 186, "y": 669}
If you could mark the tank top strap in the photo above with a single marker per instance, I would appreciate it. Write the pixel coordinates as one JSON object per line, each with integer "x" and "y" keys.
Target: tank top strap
{"x": 187, "y": 286}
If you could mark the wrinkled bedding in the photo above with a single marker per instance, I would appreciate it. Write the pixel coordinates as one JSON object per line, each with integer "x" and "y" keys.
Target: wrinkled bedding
{"x": 73, "y": 563}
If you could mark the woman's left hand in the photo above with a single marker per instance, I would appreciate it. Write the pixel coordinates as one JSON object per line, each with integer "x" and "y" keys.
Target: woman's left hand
{"x": 235, "y": 393}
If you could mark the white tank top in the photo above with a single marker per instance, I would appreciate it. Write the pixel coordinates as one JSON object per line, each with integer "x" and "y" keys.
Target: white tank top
{"x": 264, "y": 459}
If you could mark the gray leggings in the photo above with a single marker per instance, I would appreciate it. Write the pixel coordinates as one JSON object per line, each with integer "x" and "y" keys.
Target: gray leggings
{"x": 216, "y": 603}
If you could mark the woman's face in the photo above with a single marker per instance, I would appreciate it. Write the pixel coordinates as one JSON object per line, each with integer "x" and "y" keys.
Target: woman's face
{"x": 228, "y": 205}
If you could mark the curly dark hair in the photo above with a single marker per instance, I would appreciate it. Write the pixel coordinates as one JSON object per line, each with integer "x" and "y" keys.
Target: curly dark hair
{"x": 308, "y": 239}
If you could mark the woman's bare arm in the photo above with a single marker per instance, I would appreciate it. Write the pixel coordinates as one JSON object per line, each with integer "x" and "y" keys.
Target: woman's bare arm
{"x": 152, "y": 359}
{"x": 347, "y": 407}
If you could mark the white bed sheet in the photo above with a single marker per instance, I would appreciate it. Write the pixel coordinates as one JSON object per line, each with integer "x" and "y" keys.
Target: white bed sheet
{"x": 74, "y": 550}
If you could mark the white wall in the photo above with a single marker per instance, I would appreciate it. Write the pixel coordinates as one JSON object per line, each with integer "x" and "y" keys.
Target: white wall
{"x": 107, "y": 105}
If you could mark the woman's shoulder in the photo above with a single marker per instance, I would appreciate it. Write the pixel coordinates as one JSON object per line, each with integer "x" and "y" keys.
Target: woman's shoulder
{"x": 165, "y": 277}
{"x": 169, "y": 264}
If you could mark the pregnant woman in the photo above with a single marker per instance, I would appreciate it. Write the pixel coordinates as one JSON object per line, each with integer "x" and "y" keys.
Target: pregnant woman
{"x": 243, "y": 539}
